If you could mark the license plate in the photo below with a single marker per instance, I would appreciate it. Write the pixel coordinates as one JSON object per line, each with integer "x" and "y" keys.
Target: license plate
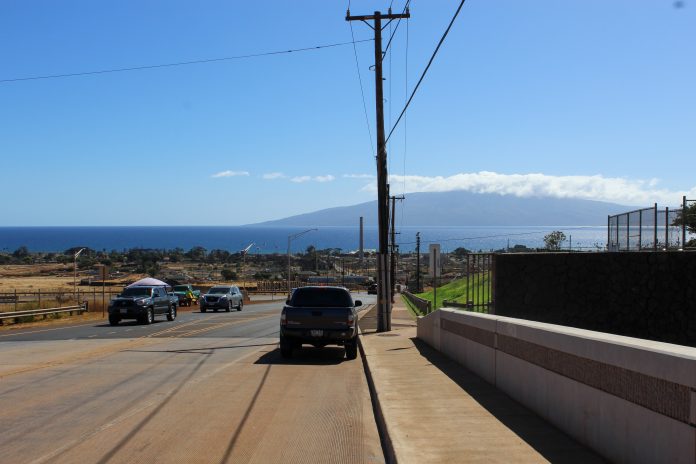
{"x": 124, "y": 310}
{"x": 316, "y": 333}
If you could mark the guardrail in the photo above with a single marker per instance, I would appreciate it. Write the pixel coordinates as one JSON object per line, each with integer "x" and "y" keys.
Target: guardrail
{"x": 424, "y": 306}
{"x": 455, "y": 304}
{"x": 42, "y": 312}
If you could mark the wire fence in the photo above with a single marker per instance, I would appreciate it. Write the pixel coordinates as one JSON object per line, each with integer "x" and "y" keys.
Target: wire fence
{"x": 651, "y": 228}
{"x": 479, "y": 282}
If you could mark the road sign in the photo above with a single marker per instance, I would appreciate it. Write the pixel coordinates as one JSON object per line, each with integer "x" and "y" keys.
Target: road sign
{"x": 434, "y": 270}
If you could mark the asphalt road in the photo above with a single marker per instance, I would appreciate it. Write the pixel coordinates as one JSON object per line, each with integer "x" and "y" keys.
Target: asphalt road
{"x": 208, "y": 387}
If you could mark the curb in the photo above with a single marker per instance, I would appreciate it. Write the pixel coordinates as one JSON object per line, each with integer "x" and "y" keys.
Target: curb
{"x": 382, "y": 429}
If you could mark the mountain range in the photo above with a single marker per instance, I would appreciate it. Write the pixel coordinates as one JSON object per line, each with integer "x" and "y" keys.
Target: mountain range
{"x": 461, "y": 208}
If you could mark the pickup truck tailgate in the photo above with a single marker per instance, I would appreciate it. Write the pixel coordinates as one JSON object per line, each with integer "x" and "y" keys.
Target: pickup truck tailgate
{"x": 317, "y": 318}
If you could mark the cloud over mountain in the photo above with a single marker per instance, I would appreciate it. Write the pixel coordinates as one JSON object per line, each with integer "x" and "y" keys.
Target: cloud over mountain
{"x": 597, "y": 187}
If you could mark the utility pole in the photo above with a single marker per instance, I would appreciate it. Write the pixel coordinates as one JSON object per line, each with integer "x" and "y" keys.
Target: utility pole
{"x": 383, "y": 293}
{"x": 392, "y": 264}
{"x": 418, "y": 286}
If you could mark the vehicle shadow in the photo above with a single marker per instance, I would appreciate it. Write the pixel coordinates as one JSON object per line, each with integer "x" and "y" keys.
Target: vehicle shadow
{"x": 129, "y": 323}
{"x": 306, "y": 356}
{"x": 203, "y": 350}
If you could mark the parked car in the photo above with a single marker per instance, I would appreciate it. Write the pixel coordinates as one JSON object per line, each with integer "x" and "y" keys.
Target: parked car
{"x": 187, "y": 294}
{"x": 372, "y": 289}
{"x": 174, "y": 299}
{"x": 141, "y": 303}
{"x": 319, "y": 316}
{"x": 222, "y": 297}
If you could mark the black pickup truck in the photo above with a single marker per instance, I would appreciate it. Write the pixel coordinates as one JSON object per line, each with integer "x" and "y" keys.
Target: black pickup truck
{"x": 319, "y": 316}
{"x": 142, "y": 303}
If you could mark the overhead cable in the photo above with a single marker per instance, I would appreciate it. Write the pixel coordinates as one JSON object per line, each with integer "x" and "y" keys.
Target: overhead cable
{"x": 442, "y": 39}
{"x": 184, "y": 63}
{"x": 362, "y": 91}
{"x": 391, "y": 36}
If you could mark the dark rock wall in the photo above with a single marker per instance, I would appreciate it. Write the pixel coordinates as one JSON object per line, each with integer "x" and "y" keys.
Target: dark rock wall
{"x": 649, "y": 295}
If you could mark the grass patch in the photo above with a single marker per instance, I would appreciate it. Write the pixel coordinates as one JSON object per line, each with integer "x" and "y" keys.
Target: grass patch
{"x": 457, "y": 290}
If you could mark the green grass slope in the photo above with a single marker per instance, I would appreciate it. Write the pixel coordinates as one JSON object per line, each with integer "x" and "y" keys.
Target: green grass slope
{"x": 457, "y": 290}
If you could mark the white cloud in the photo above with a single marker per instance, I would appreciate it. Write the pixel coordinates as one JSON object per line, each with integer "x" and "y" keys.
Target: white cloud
{"x": 274, "y": 175}
{"x": 597, "y": 187}
{"x": 230, "y": 174}
{"x": 302, "y": 179}
{"x": 358, "y": 176}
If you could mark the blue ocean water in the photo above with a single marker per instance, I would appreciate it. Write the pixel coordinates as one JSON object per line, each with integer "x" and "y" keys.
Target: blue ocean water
{"x": 275, "y": 239}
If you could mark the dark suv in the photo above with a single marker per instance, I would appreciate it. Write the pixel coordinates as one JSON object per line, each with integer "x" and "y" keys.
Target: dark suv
{"x": 319, "y": 316}
{"x": 141, "y": 303}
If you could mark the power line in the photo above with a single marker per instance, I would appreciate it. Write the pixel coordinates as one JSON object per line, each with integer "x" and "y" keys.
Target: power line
{"x": 362, "y": 91}
{"x": 476, "y": 238}
{"x": 442, "y": 39}
{"x": 391, "y": 36}
{"x": 185, "y": 63}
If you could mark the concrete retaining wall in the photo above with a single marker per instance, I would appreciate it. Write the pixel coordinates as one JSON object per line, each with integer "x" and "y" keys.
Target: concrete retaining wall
{"x": 631, "y": 400}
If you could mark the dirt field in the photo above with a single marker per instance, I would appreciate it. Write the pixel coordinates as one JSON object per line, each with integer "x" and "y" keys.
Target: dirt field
{"x": 44, "y": 277}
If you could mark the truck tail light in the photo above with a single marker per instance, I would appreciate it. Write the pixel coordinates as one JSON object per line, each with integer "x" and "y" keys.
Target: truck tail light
{"x": 283, "y": 319}
{"x": 351, "y": 320}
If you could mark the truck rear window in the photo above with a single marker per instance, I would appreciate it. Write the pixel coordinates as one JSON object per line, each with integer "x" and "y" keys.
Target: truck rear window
{"x": 137, "y": 291}
{"x": 321, "y": 298}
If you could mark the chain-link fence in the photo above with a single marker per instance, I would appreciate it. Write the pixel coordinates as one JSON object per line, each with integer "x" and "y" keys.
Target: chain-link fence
{"x": 652, "y": 228}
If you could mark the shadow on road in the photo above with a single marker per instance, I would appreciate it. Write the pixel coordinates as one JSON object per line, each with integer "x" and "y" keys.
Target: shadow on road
{"x": 118, "y": 446}
{"x": 550, "y": 442}
{"x": 129, "y": 323}
{"x": 305, "y": 356}
{"x": 205, "y": 350}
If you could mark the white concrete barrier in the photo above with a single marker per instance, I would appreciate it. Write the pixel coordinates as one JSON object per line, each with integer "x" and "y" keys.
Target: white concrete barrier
{"x": 631, "y": 400}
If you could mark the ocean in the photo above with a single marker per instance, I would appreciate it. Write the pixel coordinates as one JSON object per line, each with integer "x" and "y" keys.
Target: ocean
{"x": 275, "y": 239}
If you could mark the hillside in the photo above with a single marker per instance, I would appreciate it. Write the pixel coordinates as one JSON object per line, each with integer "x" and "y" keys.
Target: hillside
{"x": 460, "y": 208}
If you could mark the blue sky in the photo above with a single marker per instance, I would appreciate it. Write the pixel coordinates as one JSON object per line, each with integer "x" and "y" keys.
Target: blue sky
{"x": 591, "y": 99}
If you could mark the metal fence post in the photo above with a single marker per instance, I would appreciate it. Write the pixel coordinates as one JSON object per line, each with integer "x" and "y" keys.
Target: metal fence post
{"x": 667, "y": 228}
{"x": 640, "y": 230}
{"x": 39, "y": 298}
{"x": 655, "y": 228}
{"x": 618, "y": 246}
{"x": 628, "y": 231}
{"x": 15, "y": 299}
{"x": 491, "y": 298}
{"x": 683, "y": 222}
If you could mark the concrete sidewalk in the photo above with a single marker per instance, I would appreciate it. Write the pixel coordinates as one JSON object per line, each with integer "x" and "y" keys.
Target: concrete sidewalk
{"x": 436, "y": 411}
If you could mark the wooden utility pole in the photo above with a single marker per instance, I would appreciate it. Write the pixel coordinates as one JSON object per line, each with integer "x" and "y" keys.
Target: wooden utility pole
{"x": 383, "y": 285}
{"x": 392, "y": 264}
{"x": 418, "y": 285}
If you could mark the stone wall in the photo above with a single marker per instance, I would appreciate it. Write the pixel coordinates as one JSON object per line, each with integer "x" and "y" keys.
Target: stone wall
{"x": 650, "y": 295}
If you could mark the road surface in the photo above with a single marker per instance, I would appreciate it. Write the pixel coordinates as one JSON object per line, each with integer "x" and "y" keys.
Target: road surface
{"x": 208, "y": 387}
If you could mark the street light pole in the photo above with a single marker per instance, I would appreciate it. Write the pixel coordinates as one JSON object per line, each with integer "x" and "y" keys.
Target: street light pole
{"x": 75, "y": 273}
{"x": 290, "y": 239}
